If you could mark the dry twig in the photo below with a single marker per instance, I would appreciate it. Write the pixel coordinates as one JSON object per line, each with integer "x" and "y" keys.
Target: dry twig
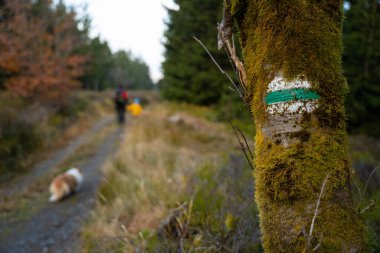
{"x": 372, "y": 204}
{"x": 246, "y": 143}
{"x": 243, "y": 147}
{"x": 309, "y": 236}
{"x": 366, "y": 184}
{"x": 236, "y": 88}
{"x": 224, "y": 40}
{"x": 316, "y": 208}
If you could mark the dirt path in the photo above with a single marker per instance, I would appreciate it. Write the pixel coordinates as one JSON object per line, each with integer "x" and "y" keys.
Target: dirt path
{"x": 23, "y": 182}
{"x": 55, "y": 227}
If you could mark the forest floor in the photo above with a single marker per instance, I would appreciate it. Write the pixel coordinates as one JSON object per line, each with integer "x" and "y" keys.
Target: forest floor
{"x": 28, "y": 222}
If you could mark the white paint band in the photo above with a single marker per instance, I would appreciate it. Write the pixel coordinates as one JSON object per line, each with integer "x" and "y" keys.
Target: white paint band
{"x": 279, "y": 83}
{"x": 292, "y": 107}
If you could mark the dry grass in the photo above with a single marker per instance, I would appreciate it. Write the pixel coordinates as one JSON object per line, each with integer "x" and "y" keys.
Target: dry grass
{"x": 153, "y": 170}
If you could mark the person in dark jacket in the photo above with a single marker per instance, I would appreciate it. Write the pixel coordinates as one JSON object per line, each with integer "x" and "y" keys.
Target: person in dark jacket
{"x": 121, "y": 99}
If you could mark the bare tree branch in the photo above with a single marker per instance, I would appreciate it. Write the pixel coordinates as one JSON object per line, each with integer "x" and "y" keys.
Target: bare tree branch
{"x": 242, "y": 144}
{"x": 220, "y": 69}
{"x": 316, "y": 208}
{"x": 309, "y": 236}
{"x": 317, "y": 246}
{"x": 246, "y": 143}
{"x": 371, "y": 205}
{"x": 366, "y": 184}
{"x": 224, "y": 40}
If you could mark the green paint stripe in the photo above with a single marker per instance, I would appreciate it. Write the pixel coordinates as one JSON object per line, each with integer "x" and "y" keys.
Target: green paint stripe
{"x": 290, "y": 95}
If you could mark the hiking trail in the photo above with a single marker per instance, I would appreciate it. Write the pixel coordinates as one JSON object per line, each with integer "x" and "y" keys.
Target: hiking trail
{"x": 40, "y": 226}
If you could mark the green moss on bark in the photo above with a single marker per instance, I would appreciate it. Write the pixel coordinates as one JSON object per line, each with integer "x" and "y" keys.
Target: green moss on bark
{"x": 300, "y": 38}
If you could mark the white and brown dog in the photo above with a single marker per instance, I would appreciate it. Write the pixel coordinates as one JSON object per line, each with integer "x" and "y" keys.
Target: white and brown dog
{"x": 65, "y": 184}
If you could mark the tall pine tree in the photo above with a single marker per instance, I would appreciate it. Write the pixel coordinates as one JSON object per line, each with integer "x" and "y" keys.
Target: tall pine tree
{"x": 361, "y": 64}
{"x": 189, "y": 75}
{"x": 130, "y": 70}
{"x": 97, "y": 71}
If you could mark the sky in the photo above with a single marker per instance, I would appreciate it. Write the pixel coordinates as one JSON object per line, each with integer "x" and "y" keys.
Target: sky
{"x": 135, "y": 25}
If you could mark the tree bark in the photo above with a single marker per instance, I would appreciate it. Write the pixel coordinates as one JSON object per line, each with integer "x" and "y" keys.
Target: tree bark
{"x": 292, "y": 54}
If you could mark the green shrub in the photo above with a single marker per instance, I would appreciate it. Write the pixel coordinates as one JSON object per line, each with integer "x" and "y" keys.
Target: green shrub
{"x": 74, "y": 107}
{"x": 223, "y": 211}
{"x": 19, "y": 140}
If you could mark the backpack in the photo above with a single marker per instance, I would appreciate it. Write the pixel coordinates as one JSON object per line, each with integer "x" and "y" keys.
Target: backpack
{"x": 121, "y": 96}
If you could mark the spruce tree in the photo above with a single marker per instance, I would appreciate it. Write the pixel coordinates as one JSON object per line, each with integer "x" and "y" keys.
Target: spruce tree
{"x": 97, "y": 71}
{"x": 361, "y": 64}
{"x": 130, "y": 70}
{"x": 189, "y": 75}
{"x": 292, "y": 55}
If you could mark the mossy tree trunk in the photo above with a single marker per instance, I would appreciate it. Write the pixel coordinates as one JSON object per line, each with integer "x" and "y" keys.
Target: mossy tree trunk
{"x": 292, "y": 55}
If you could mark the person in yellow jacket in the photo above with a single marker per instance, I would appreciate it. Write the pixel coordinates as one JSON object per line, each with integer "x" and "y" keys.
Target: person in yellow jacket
{"x": 135, "y": 108}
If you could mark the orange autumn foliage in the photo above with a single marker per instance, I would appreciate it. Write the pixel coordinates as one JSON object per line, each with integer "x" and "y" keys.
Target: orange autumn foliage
{"x": 37, "y": 57}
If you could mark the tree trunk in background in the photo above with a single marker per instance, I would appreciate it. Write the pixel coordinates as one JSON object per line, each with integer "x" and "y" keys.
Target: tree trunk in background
{"x": 292, "y": 53}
